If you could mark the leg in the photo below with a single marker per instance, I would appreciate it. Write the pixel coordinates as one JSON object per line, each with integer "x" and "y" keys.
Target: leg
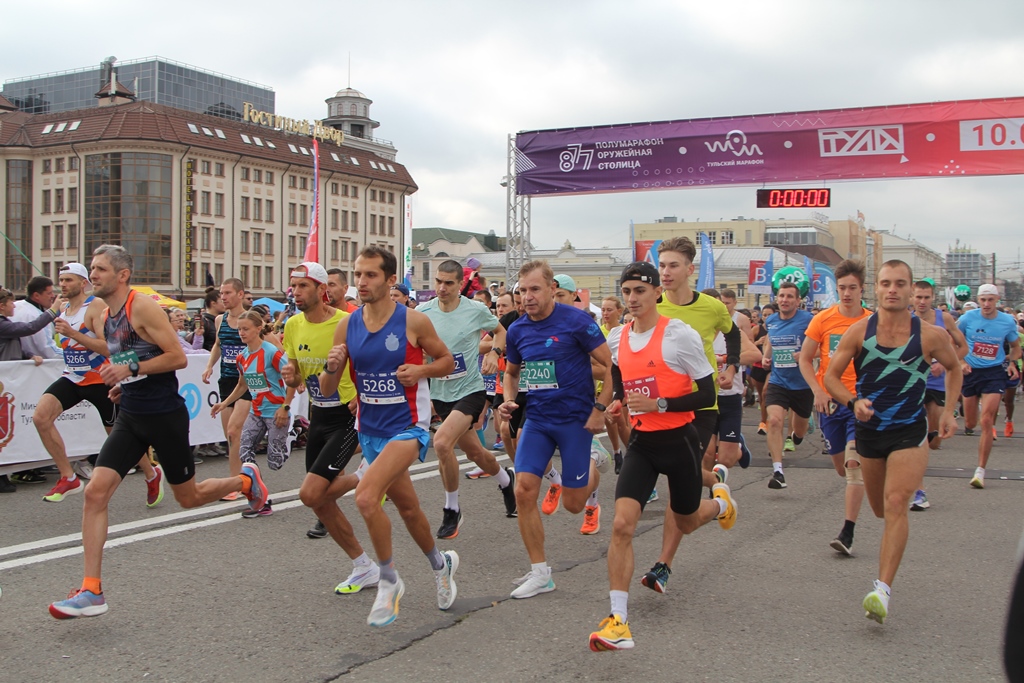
{"x": 389, "y": 465}
{"x": 95, "y": 519}
{"x": 989, "y": 408}
{"x": 1008, "y": 402}
{"x": 483, "y": 458}
{"x": 322, "y": 495}
{"x": 403, "y": 495}
{"x": 934, "y": 410}
{"x": 455, "y": 425}
{"x": 776, "y": 416}
{"x": 233, "y": 432}
{"x": 854, "y": 496}
{"x": 905, "y": 470}
{"x": 44, "y": 418}
{"x": 620, "y": 550}
{"x": 874, "y": 470}
{"x": 530, "y": 527}
{"x": 798, "y": 425}
{"x": 970, "y": 412}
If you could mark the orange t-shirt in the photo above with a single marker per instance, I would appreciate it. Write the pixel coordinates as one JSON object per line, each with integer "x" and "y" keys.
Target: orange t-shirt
{"x": 827, "y": 328}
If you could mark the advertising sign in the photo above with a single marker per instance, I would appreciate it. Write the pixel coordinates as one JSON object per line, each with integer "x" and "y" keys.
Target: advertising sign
{"x": 759, "y": 280}
{"x": 646, "y": 250}
{"x": 824, "y": 286}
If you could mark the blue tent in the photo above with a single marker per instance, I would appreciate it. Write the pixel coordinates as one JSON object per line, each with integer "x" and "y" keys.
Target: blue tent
{"x": 272, "y": 306}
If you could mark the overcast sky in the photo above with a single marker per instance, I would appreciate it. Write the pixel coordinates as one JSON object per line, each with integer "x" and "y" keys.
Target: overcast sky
{"x": 450, "y": 80}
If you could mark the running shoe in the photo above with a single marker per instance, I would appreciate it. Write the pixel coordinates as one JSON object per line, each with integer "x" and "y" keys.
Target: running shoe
{"x": 591, "y": 520}
{"x": 264, "y": 511}
{"x": 64, "y": 488}
{"x": 234, "y": 495}
{"x": 155, "y": 488}
{"x": 657, "y": 578}
{"x": 611, "y": 634}
{"x": 79, "y": 603}
{"x": 920, "y": 501}
{"x": 876, "y": 605}
{"x": 508, "y": 494}
{"x": 1008, "y": 429}
{"x": 762, "y": 428}
{"x": 476, "y": 473}
{"x": 318, "y": 530}
{"x": 445, "y": 578}
{"x": 535, "y": 585}
{"x": 721, "y": 472}
{"x": 551, "y": 499}
{"x": 82, "y": 468}
{"x": 618, "y": 461}
{"x": 994, "y": 437}
{"x": 778, "y": 481}
{"x": 599, "y": 454}
{"x": 258, "y": 492}
{"x": 843, "y": 544}
{"x": 360, "y": 578}
{"x": 385, "y": 606}
{"x": 499, "y": 445}
{"x": 450, "y": 523}
{"x": 978, "y": 480}
{"x": 727, "y": 519}
{"x": 28, "y": 477}
{"x": 745, "y": 454}
{"x": 968, "y": 431}
{"x": 789, "y": 446}
{"x": 653, "y": 497}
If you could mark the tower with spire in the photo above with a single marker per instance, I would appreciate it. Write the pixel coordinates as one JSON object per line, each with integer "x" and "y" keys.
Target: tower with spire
{"x": 349, "y": 111}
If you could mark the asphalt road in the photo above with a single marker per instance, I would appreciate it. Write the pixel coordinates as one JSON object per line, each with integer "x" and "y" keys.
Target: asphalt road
{"x": 204, "y": 595}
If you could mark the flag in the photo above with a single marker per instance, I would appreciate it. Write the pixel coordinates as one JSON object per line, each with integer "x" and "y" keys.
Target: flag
{"x": 706, "y": 279}
{"x": 407, "y": 231}
{"x": 313, "y": 241}
{"x": 809, "y": 271}
{"x": 860, "y": 216}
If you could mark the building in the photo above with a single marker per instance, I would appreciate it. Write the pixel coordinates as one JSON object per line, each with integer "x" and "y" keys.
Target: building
{"x": 923, "y": 261}
{"x": 194, "y": 198}
{"x": 153, "y": 79}
{"x": 965, "y": 266}
{"x": 431, "y": 246}
{"x": 349, "y": 112}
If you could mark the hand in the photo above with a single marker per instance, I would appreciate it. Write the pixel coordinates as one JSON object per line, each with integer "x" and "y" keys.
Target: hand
{"x": 614, "y": 410}
{"x": 353, "y": 405}
{"x": 1011, "y": 371}
{"x": 38, "y": 360}
{"x": 115, "y": 394}
{"x": 506, "y": 409}
{"x": 863, "y": 409}
{"x": 62, "y": 327}
{"x": 113, "y": 374}
{"x": 288, "y": 374}
{"x": 281, "y": 417}
{"x": 729, "y": 374}
{"x": 206, "y": 375}
{"x": 966, "y": 367}
{"x": 595, "y": 423}
{"x": 336, "y": 358}
{"x": 821, "y": 400}
{"x": 489, "y": 366}
{"x": 409, "y": 375}
{"x": 766, "y": 361}
{"x": 947, "y": 424}
{"x": 638, "y": 403}
{"x": 215, "y": 410}
{"x": 937, "y": 369}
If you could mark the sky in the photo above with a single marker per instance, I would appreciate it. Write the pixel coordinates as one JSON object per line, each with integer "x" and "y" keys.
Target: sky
{"x": 451, "y": 80}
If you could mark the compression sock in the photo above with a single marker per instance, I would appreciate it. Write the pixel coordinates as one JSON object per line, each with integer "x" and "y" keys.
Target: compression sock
{"x": 92, "y": 584}
{"x": 436, "y": 559}
{"x": 451, "y": 500}
{"x": 554, "y": 477}
{"x": 387, "y": 571}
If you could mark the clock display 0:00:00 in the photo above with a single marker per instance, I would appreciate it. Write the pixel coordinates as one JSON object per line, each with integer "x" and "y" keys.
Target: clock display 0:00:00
{"x": 794, "y": 198}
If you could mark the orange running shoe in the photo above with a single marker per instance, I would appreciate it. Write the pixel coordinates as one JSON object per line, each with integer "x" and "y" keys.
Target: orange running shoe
{"x": 591, "y": 520}
{"x": 762, "y": 428}
{"x": 1008, "y": 429}
{"x": 551, "y": 499}
{"x": 234, "y": 495}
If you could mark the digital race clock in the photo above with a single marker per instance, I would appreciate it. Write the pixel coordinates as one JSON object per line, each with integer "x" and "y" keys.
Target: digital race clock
{"x": 789, "y": 198}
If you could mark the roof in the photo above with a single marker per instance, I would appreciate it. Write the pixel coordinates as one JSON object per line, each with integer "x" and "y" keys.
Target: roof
{"x": 120, "y": 90}
{"x": 430, "y": 235}
{"x": 147, "y": 121}
{"x": 6, "y": 104}
{"x": 616, "y": 256}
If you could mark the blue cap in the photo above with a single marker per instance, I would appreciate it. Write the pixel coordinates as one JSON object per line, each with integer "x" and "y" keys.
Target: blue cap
{"x": 402, "y": 288}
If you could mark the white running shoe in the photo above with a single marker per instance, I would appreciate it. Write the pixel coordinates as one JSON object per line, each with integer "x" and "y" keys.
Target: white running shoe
{"x": 360, "y": 578}
{"x": 83, "y": 468}
{"x": 876, "y": 604}
{"x": 978, "y": 480}
{"x": 535, "y": 585}
{"x": 445, "y": 578}
{"x": 385, "y": 606}
{"x": 599, "y": 454}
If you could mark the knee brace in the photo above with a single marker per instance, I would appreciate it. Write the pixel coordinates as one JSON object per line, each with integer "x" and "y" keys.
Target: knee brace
{"x": 854, "y": 477}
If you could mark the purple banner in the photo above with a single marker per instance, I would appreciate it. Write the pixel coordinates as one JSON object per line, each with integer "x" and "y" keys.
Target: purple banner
{"x": 978, "y": 137}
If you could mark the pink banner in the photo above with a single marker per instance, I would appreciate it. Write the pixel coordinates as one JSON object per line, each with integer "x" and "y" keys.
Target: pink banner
{"x": 978, "y": 137}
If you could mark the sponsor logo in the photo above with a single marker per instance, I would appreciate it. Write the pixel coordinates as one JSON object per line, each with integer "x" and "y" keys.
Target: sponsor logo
{"x": 193, "y": 399}
{"x": 550, "y": 341}
{"x": 735, "y": 142}
{"x": 391, "y": 343}
{"x": 860, "y": 141}
{"x": 6, "y": 417}
{"x": 573, "y": 155}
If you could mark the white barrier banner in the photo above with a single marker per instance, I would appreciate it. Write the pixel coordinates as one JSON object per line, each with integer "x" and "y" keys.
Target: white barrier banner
{"x": 22, "y": 383}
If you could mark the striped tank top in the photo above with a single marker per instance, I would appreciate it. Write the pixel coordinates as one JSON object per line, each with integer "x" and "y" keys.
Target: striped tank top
{"x": 893, "y": 379}
{"x": 80, "y": 364}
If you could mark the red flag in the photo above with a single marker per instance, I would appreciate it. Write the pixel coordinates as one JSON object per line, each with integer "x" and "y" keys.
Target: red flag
{"x": 313, "y": 241}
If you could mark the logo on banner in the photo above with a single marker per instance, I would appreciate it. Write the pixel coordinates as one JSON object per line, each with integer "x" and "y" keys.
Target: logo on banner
{"x": 6, "y": 417}
{"x": 866, "y": 140}
{"x": 575, "y": 154}
{"x": 759, "y": 278}
{"x": 735, "y": 142}
{"x": 193, "y": 400}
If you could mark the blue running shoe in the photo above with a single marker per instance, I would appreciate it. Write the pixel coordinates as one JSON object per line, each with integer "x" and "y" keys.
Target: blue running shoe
{"x": 258, "y": 492}
{"x": 744, "y": 453}
{"x": 79, "y": 603}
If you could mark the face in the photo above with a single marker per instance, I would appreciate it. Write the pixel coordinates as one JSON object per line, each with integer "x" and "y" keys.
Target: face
{"x": 105, "y": 279}
{"x": 610, "y": 313}
{"x": 336, "y": 288}
{"x": 640, "y": 297}
{"x": 247, "y": 299}
{"x": 787, "y": 300}
{"x": 177, "y": 319}
{"x": 893, "y": 289}
{"x": 44, "y": 298}
{"x": 564, "y": 296}
{"x": 989, "y": 304}
{"x": 504, "y": 305}
{"x": 923, "y": 299}
{"x": 729, "y": 304}
{"x": 675, "y": 270}
{"x": 398, "y": 297}
{"x": 230, "y": 297}
{"x": 70, "y": 285}
{"x": 850, "y": 290}
{"x": 307, "y": 293}
{"x": 479, "y": 296}
{"x": 7, "y": 307}
{"x": 248, "y": 331}
{"x": 448, "y": 286}
{"x": 518, "y": 299}
{"x": 370, "y": 281}
{"x": 755, "y": 316}
{"x": 538, "y": 294}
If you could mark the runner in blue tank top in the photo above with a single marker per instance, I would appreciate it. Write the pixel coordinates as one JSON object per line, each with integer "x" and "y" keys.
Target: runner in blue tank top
{"x": 383, "y": 344}
{"x": 144, "y": 355}
{"x": 891, "y": 351}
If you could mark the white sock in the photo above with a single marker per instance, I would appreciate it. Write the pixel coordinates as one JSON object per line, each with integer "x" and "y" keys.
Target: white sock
{"x": 361, "y": 470}
{"x": 980, "y": 472}
{"x": 884, "y": 587}
{"x": 503, "y": 479}
{"x": 777, "y": 466}
{"x": 723, "y": 506}
{"x": 540, "y": 569}
{"x": 451, "y": 500}
{"x": 362, "y": 561}
{"x": 554, "y": 477}
{"x": 72, "y": 477}
{"x": 592, "y": 500}
{"x": 619, "y": 599}
{"x": 148, "y": 479}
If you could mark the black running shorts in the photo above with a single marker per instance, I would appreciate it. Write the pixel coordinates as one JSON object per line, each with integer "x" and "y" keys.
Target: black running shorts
{"x": 134, "y": 433}
{"x": 676, "y": 453}
{"x": 71, "y": 394}
{"x": 331, "y": 441}
{"x": 874, "y": 443}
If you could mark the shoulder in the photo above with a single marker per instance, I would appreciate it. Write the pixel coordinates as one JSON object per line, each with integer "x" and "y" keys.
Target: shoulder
{"x": 677, "y": 329}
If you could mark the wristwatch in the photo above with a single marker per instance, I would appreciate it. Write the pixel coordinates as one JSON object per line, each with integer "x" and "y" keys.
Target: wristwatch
{"x": 496, "y": 349}
{"x": 287, "y": 407}
{"x": 600, "y": 406}
{"x": 134, "y": 367}
{"x": 662, "y": 405}
{"x": 851, "y": 403}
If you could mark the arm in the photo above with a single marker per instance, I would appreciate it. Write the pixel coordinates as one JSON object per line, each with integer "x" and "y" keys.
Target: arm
{"x": 423, "y": 334}
{"x": 214, "y": 351}
{"x": 766, "y": 353}
{"x": 337, "y": 358}
{"x": 490, "y": 364}
{"x": 749, "y": 353}
{"x": 94, "y": 321}
{"x": 14, "y": 330}
{"x": 601, "y": 356}
{"x": 732, "y": 352}
{"x": 849, "y": 346}
{"x": 151, "y": 323}
{"x": 936, "y": 345}
{"x": 235, "y": 394}
{"x": 959, "y": 340}
{"x": 702, "y": 396}
{"x": 808, "y": 352}
{"x": 745, "y": 328}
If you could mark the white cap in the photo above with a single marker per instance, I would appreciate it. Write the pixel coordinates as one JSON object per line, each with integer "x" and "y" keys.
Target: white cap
{"x": 75, "y": 269}
{"x": 988, "y": 289}
{"x": 970, "y": 306}
{"x": 311, "y": 270}
{"x": 352, "y": 293}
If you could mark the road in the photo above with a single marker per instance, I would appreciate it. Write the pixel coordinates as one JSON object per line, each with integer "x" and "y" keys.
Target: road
{"x": 204, "y": 595}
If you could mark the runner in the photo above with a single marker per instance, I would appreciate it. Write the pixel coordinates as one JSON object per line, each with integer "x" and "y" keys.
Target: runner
{"x": 759, "y": 373}
{"x": 786, "y": 389}
{"x": 337, "y": 286}
{"x": 460, "y": 397}
{"x": 144, "y": 354}
{"x": 226, "y": 348}
{"x": 551, "y": 347}
{"x": 80, "y": 326}
{"x": 618, "y": 427}
{"x": 891, "y": 351}
{"x": 708, "y": 317}
{"x": 261, "y": 363}
{"x": 986, "y": 329}
{"x": 1012, "y": 385}
{"x": 666, "y": 376}
{"x": 385, "y": 344}
{"x": 838, "y": 423}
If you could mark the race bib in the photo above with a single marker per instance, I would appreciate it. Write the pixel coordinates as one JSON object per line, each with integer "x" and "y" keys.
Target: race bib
{"x": 648, "y": 386}
{"x": 126, "y": 358}
{"x": 833, "y": 343}
{"x": 539, "y": 375}
{"x": 490, "y": 383}
{"x": 985, "y": 351}
{"x": 784, "y": 358}
{"x": 77, "y": 360}
{"x": 317, "y": 398}
{"x": 380, "y": 388}
{"x": 460, "y": 368}
{"x": 229, "y": 353}
{"x": 256, "y": 382}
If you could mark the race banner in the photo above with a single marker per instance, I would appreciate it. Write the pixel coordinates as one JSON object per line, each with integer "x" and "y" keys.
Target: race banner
{"x": 975, "y": 137}
{"x": 824, "y": 287}
{"x": 646, "y": 250}
{"x": 759, "y": 279}
{"x": 706, "y": 276}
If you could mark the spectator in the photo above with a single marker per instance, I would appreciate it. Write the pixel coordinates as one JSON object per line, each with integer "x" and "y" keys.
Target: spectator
{"x": 400, "y": 294}
{"x": 40, "y": 297}
{"x": 177, "y": 318}
{"x": 473, "y": 282}
{"x": 246, "y": 299}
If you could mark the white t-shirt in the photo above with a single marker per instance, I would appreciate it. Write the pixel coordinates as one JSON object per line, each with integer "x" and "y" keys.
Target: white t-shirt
{"x": 737, "y": 380}
{"x": 41, "y": 343}
{"x": 681, "y": 347}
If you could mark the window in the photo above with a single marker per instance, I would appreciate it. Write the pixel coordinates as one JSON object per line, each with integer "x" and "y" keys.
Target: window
{"x": 270, "y": 210}
{"x": 269, "y": 177}
{"x": 245, "y": 139}
{"x": 294, "y": 150}
{"x": 391, "y": 197}
{"x": 59, "y": 164}
{"x": 46, "y": 201}
{"x": 73, "y": 236}
{"x": 271, "y": 145}
{"x": 268, "y": 243}
{"x": 58, "y": 200}
{"x": 46, "y": 269}
{"x": 749, "y": 238}
{"x": 355, "y": 192}
{"x": 218, "y": 239}
{"x": 741, "y": 290}
{"x": 303, "y": 183}
{"x": 291, "y": 246}
{"x": 204, "y": 203}
{"x": 334, "y": 250}
{"x": 218, "y": 204}
{"x": 302, "y": 245}
{"x": 268, "y": 273}
{"x": 204, "y": 269}
{"x": 291, "y": 213}
{"x": 245, "y": 173}
{"x": 344, "y": 220}
{"x": 257, "y": 209}
{"x": 426, "y": 271}
{"x": 344, "y": 250}
{"x": 344, "y": 190}
{"x": 58, "y": 237}
{"x": 727, "y": 237}
{"x": 373, "y": 222}
{"x": 257, "y": 175}
{"x": 46, "y": 237}
{"x": 243, "y": 244}
{"x": 355, "y": 251}
{"x": 206, "y": 168}
{"x": 334, "y": 188}
{"x": 712, "y": 236}
{"x": 257, "y": 276}
{"x": 245, "y": 208}
{"x": 73, "y": 163}
{"x": 257, "y": 242}
{"x": 334, "y": 219}
{"x": 191, "y": 282}
{"x": 355, "y": 221}
{"x": 218, "y": 170}
{"x": 373, "y": 195}
{"x": 218, "y": 272}
{"x": 243, "y": 273}
{"x": 391, "y": 226}
{"x": 47, "y": 165}
{"x": 304, "y": 214}
{"x": 291, "y": 181}
{"x": 72, "y": 199}
{"x": 204, "y": 238}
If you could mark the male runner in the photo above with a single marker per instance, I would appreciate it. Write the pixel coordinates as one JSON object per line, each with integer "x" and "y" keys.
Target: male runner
{"x": 80, "y": 326}
{"x": 226, "y": 348}
{"x": 460, "y": 398}
{"x": 337, "y": 286}
{"x": 891, "y": 351}
{"x": 332, "y": 438}
{"x": 838, "y": 422}
{"x": 384, "y": 345}
{"x": 666, "y": 376}
{"x": 551, "y": 347}
{"x": 709, "y": 317}
{"x": 787, "y": 389}
{"x": 986, "y": 329}
{"x": 144, "y": 354}
{"x": 1012, "y": 386}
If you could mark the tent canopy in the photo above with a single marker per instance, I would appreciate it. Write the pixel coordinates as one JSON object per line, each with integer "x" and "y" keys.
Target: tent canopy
{"x": 272, "y": 306}
{"x": 165, "y": 302}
